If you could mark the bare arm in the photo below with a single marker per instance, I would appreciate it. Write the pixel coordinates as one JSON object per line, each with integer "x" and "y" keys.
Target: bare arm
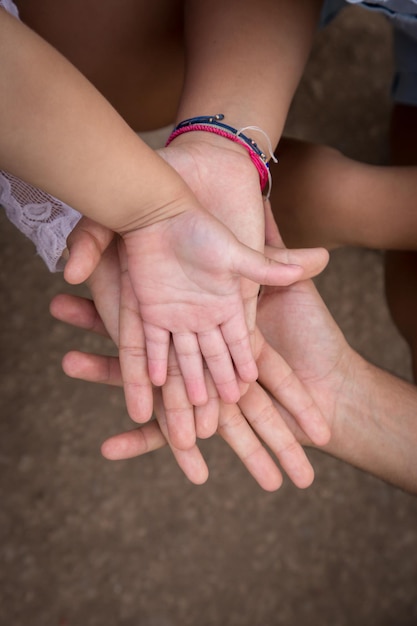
{"x": 58, "y": 133}
{"x": 245, "y": 59}
{"x": 375, "y": 203}
{"x": 376, "y": 429}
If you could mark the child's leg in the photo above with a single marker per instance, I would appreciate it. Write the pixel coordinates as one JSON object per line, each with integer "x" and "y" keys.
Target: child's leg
{"x": 320, "y": 197}
{"x": 401, "y": 267}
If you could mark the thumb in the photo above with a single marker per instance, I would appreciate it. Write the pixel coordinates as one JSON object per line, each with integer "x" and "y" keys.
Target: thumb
{"x": 282, "y": 267}
{"x": 86, "y": 244}
{"x": 312, "y": 261}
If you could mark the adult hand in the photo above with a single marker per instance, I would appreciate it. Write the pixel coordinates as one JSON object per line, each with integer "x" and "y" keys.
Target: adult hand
{"x": 256, "y": 406}
{"x": 107, "y": 286}
{"x": 239, "y": 426}
{"x": 225, "y": 179}
{"x": 371, "y": 413}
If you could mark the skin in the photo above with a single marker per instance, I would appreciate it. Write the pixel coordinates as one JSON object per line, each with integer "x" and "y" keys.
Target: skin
{"x": 176, "y": 415}
{"x": 108, "y": 46}
{"x": 346, "y": 441}
{"x": 102, "y": 68}
{"x": 172, "y": 243}
{"x": 145, "y": 82}
{"x": 321, "y": 197}
{"x": 370, "y": 413}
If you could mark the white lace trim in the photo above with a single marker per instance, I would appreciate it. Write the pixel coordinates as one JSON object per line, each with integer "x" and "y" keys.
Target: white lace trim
{"x": 44, "y": 219}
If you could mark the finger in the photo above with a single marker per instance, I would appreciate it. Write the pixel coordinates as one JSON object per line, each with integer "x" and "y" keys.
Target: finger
{"x": 236, "y": 432}
{"x": 237, "y": 338}
{"x": 311, "y": 260}
{"x": 157, "y": 347}
{"x": 190, "y": 362}
{"x": 207, "y": 416}
{"x": 282, "y": 266}
{"x": 178, "y": 411}
{"x": 263, "y": 270}
{"x": 284, "y": 385}
{"x": 190, "y": 461}
{"x": 86, "y": 244}
{"x": 147, "y": 438}
{"x": 266, "y": 421}
{"x": 104, "y": 285}
{"x": 132, "y": 353}
{"x": 150, "y": 437}
{"x": 154, "y": 341}
{"x": 93, "y": 368}
{"x": 217, "y": 357}
{"x": 80, "y": 312}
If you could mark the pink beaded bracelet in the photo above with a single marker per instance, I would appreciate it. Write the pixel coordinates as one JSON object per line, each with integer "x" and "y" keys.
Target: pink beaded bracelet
{"x": 213, "y": 124}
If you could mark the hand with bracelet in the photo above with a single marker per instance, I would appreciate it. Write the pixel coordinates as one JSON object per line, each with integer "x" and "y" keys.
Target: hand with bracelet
{"x": 182, "y": 265}
{"x": 223, "y": 177}
{"x": 147, "y": 291}
{"x": 233, "y": 426}
{"x": 227, "y": 176}
{"x": 250, "y": 86}
{"x": 225, "y": 180}
{"x": 371, "y": 413}
{"x": 113, "y": 185}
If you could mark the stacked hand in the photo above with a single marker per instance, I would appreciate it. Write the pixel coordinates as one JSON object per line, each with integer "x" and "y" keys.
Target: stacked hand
{"x": 179, "y": 420}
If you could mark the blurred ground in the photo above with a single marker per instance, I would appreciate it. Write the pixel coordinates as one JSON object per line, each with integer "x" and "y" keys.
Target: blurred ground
{"x": 86, "y": 542}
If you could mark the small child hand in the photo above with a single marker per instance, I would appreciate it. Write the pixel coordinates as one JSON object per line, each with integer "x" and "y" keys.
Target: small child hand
{"x": 185, "y": 272}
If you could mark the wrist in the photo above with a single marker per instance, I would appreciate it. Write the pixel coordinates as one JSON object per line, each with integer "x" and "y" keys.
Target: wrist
{"x": 238, "y": 115}
{"x": 215, "y": 125}
{"x": 168, "y": 200}
{"x": 208, "y": 139}
{"x": 374, "y": 424}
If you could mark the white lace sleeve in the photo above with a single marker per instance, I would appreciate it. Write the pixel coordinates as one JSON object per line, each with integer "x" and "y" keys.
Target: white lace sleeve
{"x": 44, "y": 219}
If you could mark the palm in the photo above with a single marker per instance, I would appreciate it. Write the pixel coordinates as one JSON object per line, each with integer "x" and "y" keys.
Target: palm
{"x": 184, "y": 278}
{"x": 295, "y": 322}
{"x": 227, "y": 184}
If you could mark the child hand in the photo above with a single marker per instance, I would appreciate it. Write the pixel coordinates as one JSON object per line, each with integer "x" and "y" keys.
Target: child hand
{"x": 185, "y": 273}
{"x": 182, "y": 428}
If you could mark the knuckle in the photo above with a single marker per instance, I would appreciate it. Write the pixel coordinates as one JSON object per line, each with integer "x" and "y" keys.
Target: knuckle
{"x": 290, "y": 447}
{"x": 231, "y": 421}
{"x": 265, "y": 417}
{"x": 285, "y": 382}
{"x": 132, "y": 352}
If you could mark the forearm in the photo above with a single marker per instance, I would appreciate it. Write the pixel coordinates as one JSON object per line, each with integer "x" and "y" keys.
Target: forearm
{"x": 387, "y": 202}
{"x": 376, "y": 426}
{"x": 245, "y": 59}
{"x": 375, "y": 204}
{"x": 58, "y": 133}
